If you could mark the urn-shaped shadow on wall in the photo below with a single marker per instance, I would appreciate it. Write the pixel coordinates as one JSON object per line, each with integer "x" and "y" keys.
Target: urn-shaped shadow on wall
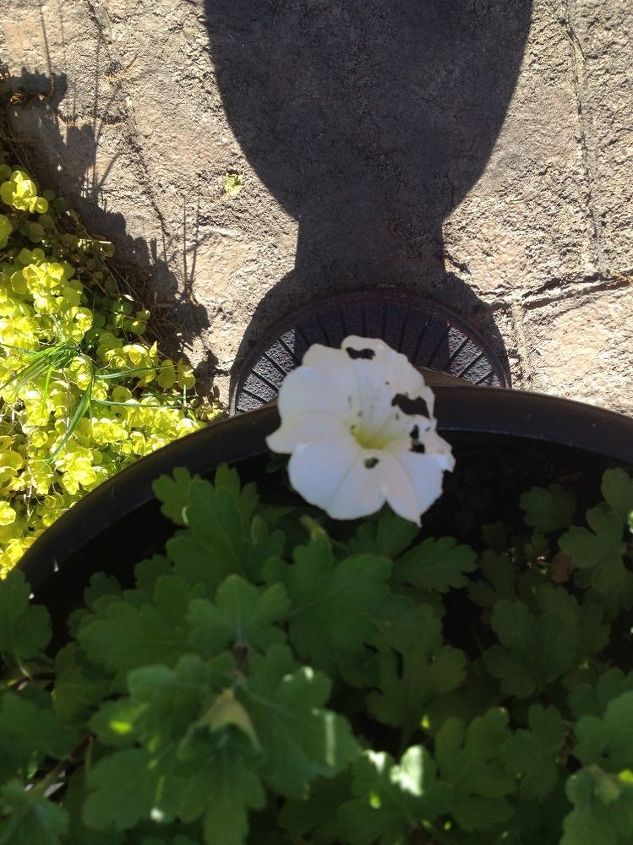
{"x": 369, "y": 121}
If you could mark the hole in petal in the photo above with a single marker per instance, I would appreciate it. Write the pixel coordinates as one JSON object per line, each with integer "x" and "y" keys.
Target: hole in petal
{"x": 412, "y": 407}
{"x": 360, "y": 353}
{"x": 415, "y": 433}
{"x": 370, "y": 463}
{"x": 418, "y": 447}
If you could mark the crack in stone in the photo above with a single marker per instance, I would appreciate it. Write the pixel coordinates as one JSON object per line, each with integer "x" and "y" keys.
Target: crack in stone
{"x": 525, "y": 363}
{"x": 587, "y": 142}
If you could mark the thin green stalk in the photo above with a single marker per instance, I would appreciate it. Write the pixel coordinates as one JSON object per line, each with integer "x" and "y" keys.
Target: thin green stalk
{"x": 124, "y": 373}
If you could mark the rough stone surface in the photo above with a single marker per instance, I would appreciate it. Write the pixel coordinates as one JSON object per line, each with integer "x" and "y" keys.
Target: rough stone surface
{"x": 478, "y": 152}
{"x": 573, "y": 344}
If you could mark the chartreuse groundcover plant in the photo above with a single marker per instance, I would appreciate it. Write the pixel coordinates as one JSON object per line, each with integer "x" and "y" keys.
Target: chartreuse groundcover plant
{"x": 277, "y": 677}
{"x": 82, "y": 394}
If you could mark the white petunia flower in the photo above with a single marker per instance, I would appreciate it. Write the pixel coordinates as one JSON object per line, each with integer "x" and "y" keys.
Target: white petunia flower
{"x": 358, "y": 424}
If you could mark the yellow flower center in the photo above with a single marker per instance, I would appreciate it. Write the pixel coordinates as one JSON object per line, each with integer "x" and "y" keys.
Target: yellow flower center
{"x": 371, "y": 438}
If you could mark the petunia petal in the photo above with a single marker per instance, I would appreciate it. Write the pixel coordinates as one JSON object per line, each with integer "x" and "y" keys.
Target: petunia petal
{"x": 392, "y": 367}
{"x": 312, "y": 427}
{"x": 440, "y": 449}
{"x": 395, "y": 485}
{"x": 425, "y": 473}
{"x": 360, "y": 492}
{"x": 317, "y": 470}
{"x": 307, "y": 390}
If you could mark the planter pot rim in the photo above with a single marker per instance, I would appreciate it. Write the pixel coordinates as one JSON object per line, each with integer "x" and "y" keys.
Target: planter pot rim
{"x": 459, "y": 408}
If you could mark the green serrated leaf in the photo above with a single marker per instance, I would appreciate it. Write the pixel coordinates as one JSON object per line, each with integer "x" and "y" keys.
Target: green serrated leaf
{"x": 172, "y": 597}
{"x": 532, "y": 754}
{"x": 388, "y": 537}
{"x": 300, "y": 740}
{"x": 241, "y": 615}
{"x": 548, "y": 509}
{"x": 173, "y": 491}
{"x": 28, "y": 818}
{"x": 423, "y": 670}
{"x": 593, "y": 699}
{"x": 617, "y": 490}
{"x": 124, "y": 637}
{"x": 316, "y": 816}
{"x": 232, "y": 789}
{"x": 335, "y": 605}
{"x": 473, "y": 697}
{"x": 148, "y": 571}
{"x": 188, "y": 767}
{"x": 468, "y": 759}
{"x": 125, "y": 789}
{"x": 30, "y": 732}
{"x": 436, "y": 565}
{"x": 79, "y": 686}
{"x": 602, "y": 809}
{"x": 78, "y": 833}
{"x": 25, "y": 628}
{"x": 535, "y": 649}
{"x": 600, "y": 549}
{"x": 245, "y": 497}
{"x": 214, "y": 545}
{"x": 394, "y": 800}
{"x": 608, "y": 740}
{"x": 499, "y": 580}
{"x": 101, "y": 590}
{"x": 218, "y": 541}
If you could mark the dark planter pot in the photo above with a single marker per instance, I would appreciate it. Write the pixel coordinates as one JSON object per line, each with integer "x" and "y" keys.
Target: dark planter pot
{"x": 504, "y": 440}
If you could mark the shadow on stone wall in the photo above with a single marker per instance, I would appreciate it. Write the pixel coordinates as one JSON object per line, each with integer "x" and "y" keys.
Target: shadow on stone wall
{"x": 63, "y": 156}
{"x": 369, "y": 122}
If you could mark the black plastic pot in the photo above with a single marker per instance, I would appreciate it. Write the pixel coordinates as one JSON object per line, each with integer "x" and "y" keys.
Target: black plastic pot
{"x": 120, "y": 523}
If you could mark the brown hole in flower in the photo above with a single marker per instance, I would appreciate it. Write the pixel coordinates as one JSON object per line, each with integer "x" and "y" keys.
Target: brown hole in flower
{"x": 412, "y": 407}
{"x": 360, "y": 353}
{"x": 370, "y": 463}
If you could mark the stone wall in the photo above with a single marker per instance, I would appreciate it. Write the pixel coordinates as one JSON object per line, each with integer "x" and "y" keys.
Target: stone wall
{"x": 137, "y": 133}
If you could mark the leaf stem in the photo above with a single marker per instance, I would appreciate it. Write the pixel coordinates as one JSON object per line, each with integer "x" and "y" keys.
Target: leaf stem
{"x": 49, "y": 779}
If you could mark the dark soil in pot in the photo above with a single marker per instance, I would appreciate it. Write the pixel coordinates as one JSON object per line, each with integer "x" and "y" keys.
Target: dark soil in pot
{"x": 491, "y": 473}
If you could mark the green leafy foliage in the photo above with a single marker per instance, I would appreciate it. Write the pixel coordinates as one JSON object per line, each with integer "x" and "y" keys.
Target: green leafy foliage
{"x": 302, "y": 739}
{"x": 220, "y": 539}
{"x": 174, "y": 492}
{"x": 598, "y": 552}
{"x": 417, "y": 671}
{"x": 335, "y": 604}
{"x": 274, "y": 679}
{"x": 593, "y": 699}
{"x": 389, "y": 536}
{"x": 608, "y": 741}
{"x": 537, "y": 647}
{"x": 469, "y": 760}
{"x": 548, "y": 510}
{"x": 27, "y": 817}
{"x": 241, "y": 615}
{"x": 24, "y": 628}
{"x": 436, "y": 565}
{"x": 392, "y": 800}
{"x": 30, "y": 732}
{"x": 602, "y": 809}
{"x": 532, "y": 754}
